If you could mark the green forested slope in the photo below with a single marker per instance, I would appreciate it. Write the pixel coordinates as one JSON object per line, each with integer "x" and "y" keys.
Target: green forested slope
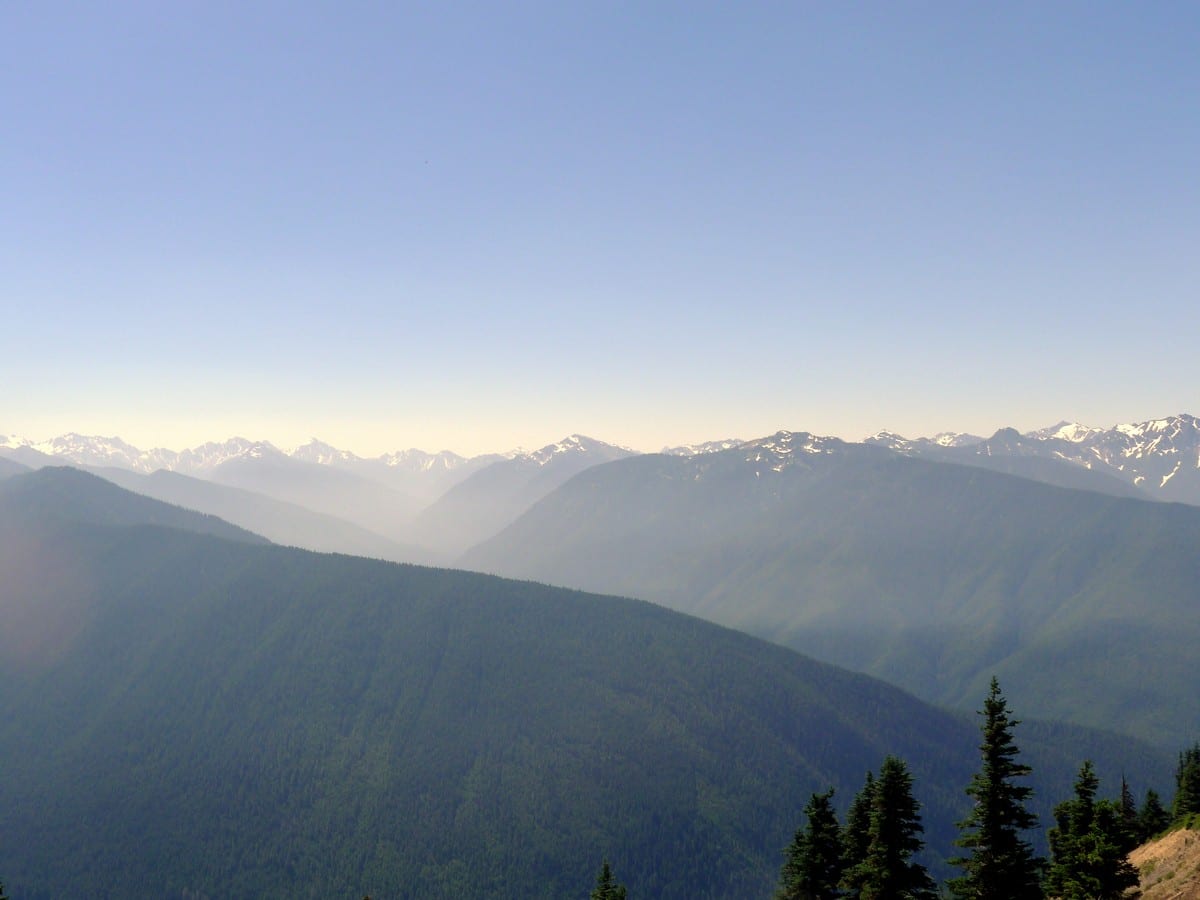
{"x": 180, "y": 713}
{"x": 933, "y": 576}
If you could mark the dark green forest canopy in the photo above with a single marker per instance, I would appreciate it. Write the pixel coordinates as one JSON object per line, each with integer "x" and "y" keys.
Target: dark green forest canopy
{"x": 241, "y": 720}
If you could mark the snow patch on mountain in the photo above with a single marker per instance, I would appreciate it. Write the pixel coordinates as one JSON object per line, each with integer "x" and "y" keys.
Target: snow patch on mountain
{"x": 575, "y": 444}
{"x": 702, "y": 449}
{"x": 323, "y": 454}
{"x": 785, "y": 448}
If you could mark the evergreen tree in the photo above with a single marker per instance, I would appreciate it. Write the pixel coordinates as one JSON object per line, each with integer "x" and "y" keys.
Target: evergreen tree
{"x": 3, "y": 896}
{"x": 1086, "y": 845}
{"x": 1131, "y": 831}
{"x": 888, "y": 872}
{"x": 1187, "y": 783}
{"x": 606, "y": 885}
{"x": 813, "y": 864}
{"x": 856, "y": 836}
{"x": 1001, "y": 865}
{"x": 1152, "y": 817}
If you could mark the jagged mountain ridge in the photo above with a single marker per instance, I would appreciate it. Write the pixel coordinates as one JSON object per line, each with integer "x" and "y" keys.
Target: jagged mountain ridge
{"x": 1160, "y": 458}
{"x": 1149, "y": 454}
{"x": 442, "y": 503}
{"x": 402, "y": 469}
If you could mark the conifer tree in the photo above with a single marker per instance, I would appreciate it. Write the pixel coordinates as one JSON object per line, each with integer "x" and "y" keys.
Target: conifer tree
{"x": 856, "y": 835}
{"x": 606, "y": 885}
{"x": 1152, "y": 817}
{"x": 813, "y": 864}
{"x": 888, "y": 872}
{"x": 1001, "y": 864}
{"x": 1187, "y": 783}
{"x": 1088, "y": 862}
{"x": 1131, "y": 831}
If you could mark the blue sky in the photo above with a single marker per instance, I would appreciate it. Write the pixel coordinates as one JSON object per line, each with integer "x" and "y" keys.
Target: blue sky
{"x": 475, "y": 226}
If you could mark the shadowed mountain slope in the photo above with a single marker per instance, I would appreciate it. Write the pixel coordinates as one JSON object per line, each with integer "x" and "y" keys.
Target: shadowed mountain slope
{"x": 933, "y": 576}
{"x": 212, "y": 718}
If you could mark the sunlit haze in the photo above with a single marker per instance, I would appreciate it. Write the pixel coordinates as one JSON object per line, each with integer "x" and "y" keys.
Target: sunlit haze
{"x": 481, "y": 226}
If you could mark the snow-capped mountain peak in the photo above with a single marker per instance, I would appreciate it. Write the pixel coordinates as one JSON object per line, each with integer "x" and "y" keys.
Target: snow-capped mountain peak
{"x": 90, "y": 450}
{"x": 1072, "y": 432}
{"x": 888, "y": 439}
{"x": 955, "y": 439}
{"x": 571, "y": 444}
{"x": 901, "y": 444}
{"x": 321, "y": 453}
{"x": 207, "y": 457}
{"x": 702, "y": 449}
{"x": 419, "y": 461}
{"x": 783, "y": 448}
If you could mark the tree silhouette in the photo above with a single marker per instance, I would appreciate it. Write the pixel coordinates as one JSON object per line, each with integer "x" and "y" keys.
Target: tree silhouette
{"x": 888, "y": 872}
{"x": 1000, "y": 864}
{"x": 606, "y": 885}
{"x": 813, "y": 865}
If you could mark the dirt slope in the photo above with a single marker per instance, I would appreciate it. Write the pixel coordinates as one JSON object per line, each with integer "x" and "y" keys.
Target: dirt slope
{"x": 1170, "y": 866}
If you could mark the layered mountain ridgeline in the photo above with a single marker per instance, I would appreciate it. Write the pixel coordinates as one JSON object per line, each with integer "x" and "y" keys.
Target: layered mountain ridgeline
{"x": 493, "y": 497}
{"x": 278, "y": 521}
{"x": 414, "y": 506}
{"x": 322, "y": 489}
{"x": 186, "y": 715}
{"x": 425, "y": 476}
{"x": 335, "y": 500}
{"x": 931, "y": 575}
{"x": 11, "y": 467}
{"x": 55, "y": 496}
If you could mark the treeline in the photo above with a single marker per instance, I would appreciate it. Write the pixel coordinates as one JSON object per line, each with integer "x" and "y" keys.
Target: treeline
{"x": 869, "y": 857}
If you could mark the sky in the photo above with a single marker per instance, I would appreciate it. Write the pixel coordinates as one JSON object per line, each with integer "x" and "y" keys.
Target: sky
{"x": 477, "y": 226}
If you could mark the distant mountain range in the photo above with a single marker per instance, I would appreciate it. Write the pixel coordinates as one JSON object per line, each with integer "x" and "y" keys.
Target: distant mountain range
{"x": 879, "y": 555}
{"x": 185, "y": 711}
{"x": 929, "y": 574}
{"x": 1160, "y": 458}
{"x": 333, "y": 500}
{"x": 496, "y": 495}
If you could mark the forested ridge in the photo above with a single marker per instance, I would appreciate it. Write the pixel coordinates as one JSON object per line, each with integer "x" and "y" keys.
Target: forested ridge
{"x": 871, "y": 855}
